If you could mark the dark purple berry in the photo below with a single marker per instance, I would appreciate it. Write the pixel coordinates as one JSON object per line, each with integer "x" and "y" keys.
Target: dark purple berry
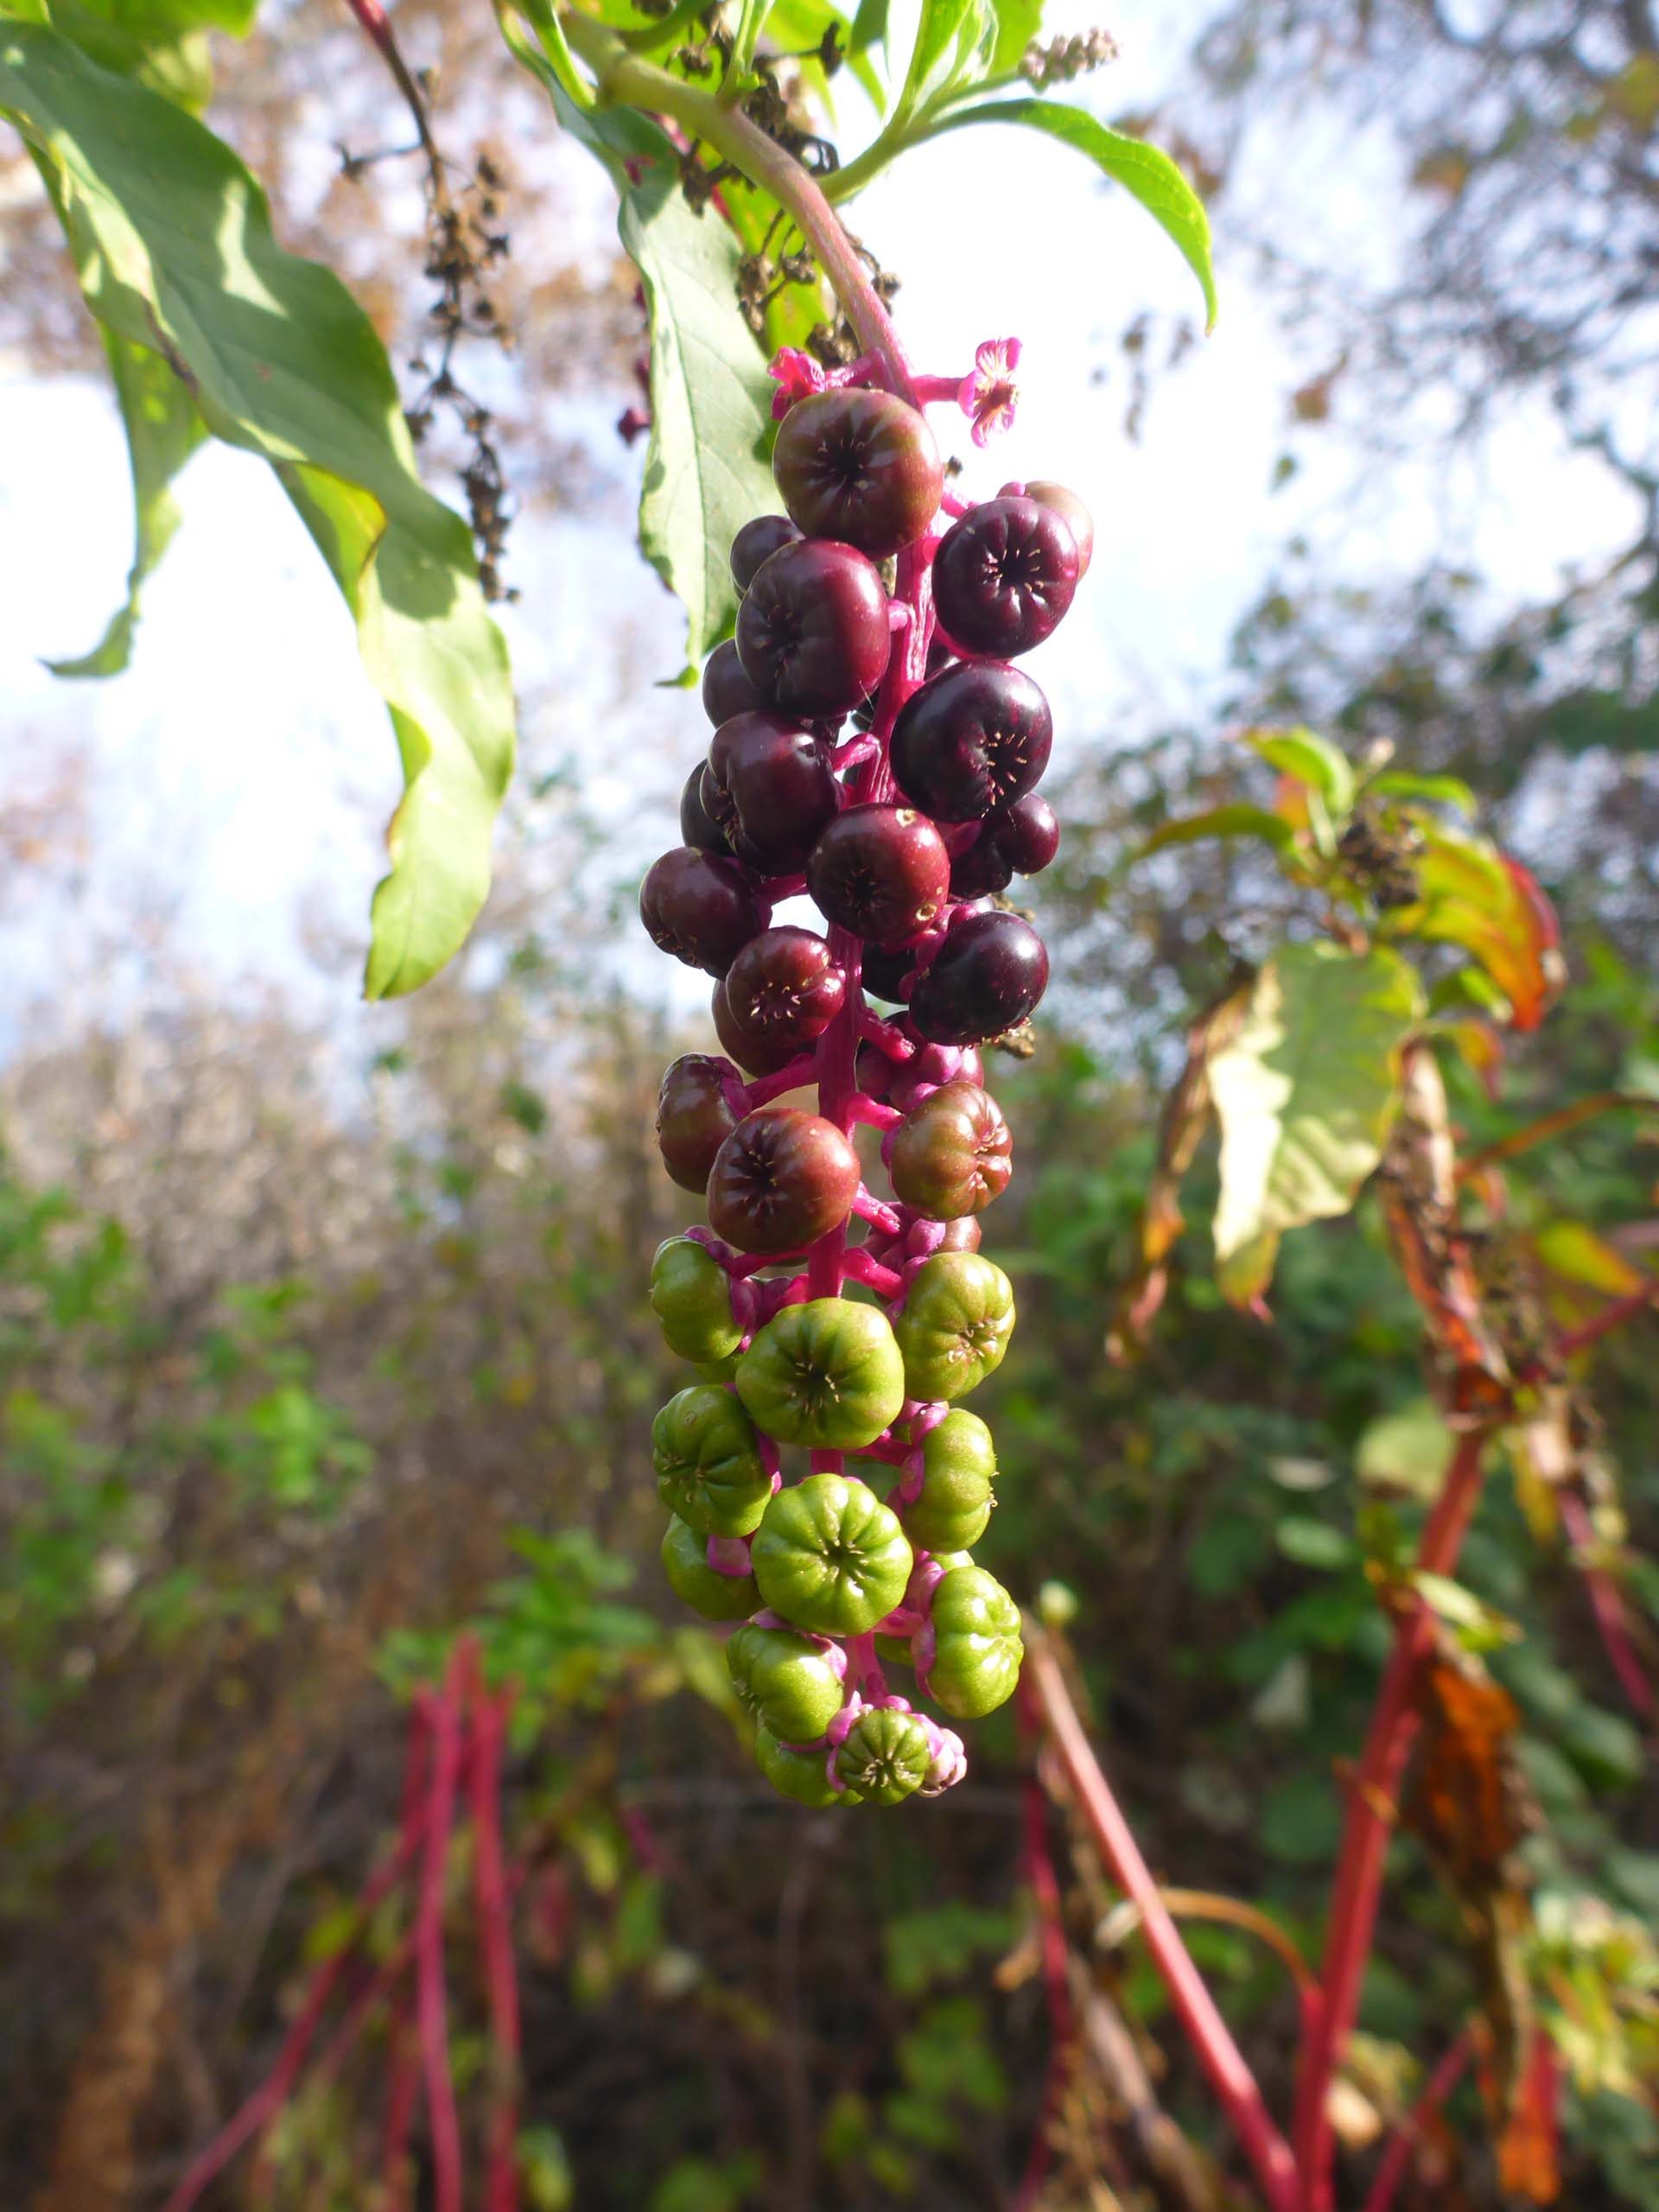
{"x": 887, "y": 971}
{"x": 694, "y": 1116}
{"x": 755, "y": 1054}
{"x": 812, "y": 632}
{"x": 882, "y": 872}
{"x": 1070, "y": 510}
{"x": 858, "y": 465}
{"x": 989, "y": 973}
{"x": 975, "y": 738}
{"x": 696, "y": 826}
{"x": 770, "y": 790}
{"x": 1004, "y": 575}
{"x": 755, "y": 542}
{"x": 1017, "y": 840}
{"x": 726, "y": 690}
{"x": 783, "y": 989}
{"x": 700, "y": 908}
{"x": 782, "y": 1179}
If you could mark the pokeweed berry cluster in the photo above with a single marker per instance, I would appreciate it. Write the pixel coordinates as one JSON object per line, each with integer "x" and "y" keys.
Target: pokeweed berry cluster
{"x": 874, "y": 747}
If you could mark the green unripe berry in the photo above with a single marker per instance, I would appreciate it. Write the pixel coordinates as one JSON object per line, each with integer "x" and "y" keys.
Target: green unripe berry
{"x": 799, "y": 1775}
{"x": 958, "y": 1466}
{"x": 884, "y": 1756}
{"x": 717, "y": 1596}
{"x": 827, "y": 1374}
{"x": 786, "y": 1681}
{"x": 829, "y": 1556}
{"x": 957, "y": 1318}
{"x": 977, "y": 1648}
{"x": 707, "y": 1461}
{"x": 692, "y": 1300}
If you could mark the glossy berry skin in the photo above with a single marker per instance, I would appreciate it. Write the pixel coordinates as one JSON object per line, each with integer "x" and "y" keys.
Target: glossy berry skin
{"x": 692, "y": 1300}
{"x": 887, "y": 974}
{"x": 977, "y": 1647}
{"x": 699, "y": 907}
{"x": 694, "y": 1116}
{"x": 782, "y": 1179}
{"x": 1004, "y": 576}
{"x": 828, "y": 1374}
{"x": 717, "y": 1596}
{"x": 830, "y": 1557}
{"x": 769, "y": 788}
{"x": 726, "y": 690}
{"x": 1070, "y": 510}
{"x": 958, "y": 1319}
{"x": 709, "y": 1471}
{"x": 697, "y": 828}
{"x": 757, "y": 541}
{"x": 858, "y": 465}
{"x": 958, "y": 1468}
{"x": 989, "y": 973}
{"x": 953, "y": 1154}
{"x": 788, "y": 1683}
{"x": 885, "y": 1756}
{"x": 973, "y": 739}
{"x": 929, "y": 1066}
{"x": 812, "y": 632}
{"x": 756, "y": 1054}
{"x": 1017, "y": 840}
{"x": 797, "y": 1775}
{"x": 882, "y": 872}
{"x": 783, "y": 989}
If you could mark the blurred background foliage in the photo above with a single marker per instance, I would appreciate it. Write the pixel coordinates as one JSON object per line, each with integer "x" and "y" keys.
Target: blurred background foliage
{"x": 305, "y": 1363}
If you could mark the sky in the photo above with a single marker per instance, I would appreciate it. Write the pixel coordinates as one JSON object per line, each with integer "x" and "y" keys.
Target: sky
{"x": 236, "y": 780}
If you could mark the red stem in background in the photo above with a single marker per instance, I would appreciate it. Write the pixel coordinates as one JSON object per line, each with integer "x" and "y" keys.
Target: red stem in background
{"x": 430, "y": 2002}
{"x": 1610, "y": 1317}
{"x": 1608, "y": 1607}
{"x": 495, "y": 1936}
{"x": 1397, "y": 2157}
{"x": 1357, "y": 1887}
{"x": 1208, "y": 2033}
{"x": 1038, "y": 1865}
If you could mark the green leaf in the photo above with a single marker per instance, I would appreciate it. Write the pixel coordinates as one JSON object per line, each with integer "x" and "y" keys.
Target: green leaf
{"x": 1145, "y": 170}
{"x": 163, "y": 429}
{"x": 1312, "y": 759}
{"x": 1475, "y": 896}
{"x": 943, "y": 24}
{"x": 1237, "y": 819}
{"x": 1443, "y": 791}
{"x": 1306, "y": 1093}
{"x": 1476, "y": 1625}
{"x": 173, "y": 244}
{"x": 706, "y": 472}
{"x": 1405, "y": 1451}
{"x": 1018, "y": 23}
{"x": 1315, "y": 1543}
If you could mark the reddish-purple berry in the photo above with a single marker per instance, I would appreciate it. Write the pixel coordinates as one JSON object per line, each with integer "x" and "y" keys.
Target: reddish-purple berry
{"x": 858, "y": 465}
{"x": 1017, "y": 840}
{"x": 757, "y": 1055}
{"x": 1004, "y": 575}
{"x": 769, "y": 788}
{"x": 1070, "y": 510}
{"x": 989, "y": 973}
{"x": 812, "y": 632}
{"x": 700, "y": 908}
{"x": 757, "y": 541}
{"x": 726, "y": 690}
{"x": 696, "y": 826}
{"x": 782, "y": 1179}
{"x": 975, "y": 738}
{"x": 783, "y": 989}
{"x": 694, "y": 1116}
{"x": 882, "y": 872}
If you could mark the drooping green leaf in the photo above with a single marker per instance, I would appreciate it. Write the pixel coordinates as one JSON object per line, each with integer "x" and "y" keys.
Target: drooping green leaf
{"x": 1237, "y": 819}
{"x": 173, "y": 244}
{"x": 1145, "y": 170}
{"x": 1312, "y": 759}
{"x": 1306, "y": 1093}
{"x": 1018, "y": 23}
{"x": 163, "y": 429}
{"x": 706, "y": 472}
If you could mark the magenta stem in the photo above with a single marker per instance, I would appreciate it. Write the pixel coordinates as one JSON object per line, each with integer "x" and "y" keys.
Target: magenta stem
{"x": 495, "y": 1936}
{"x": 431, "y": 2004}
{"x": 1608, "y": 1607}
{"x": 1397, "y": 2157}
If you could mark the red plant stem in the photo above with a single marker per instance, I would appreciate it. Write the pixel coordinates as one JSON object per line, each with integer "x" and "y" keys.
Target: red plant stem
{"x": 495, "y": 1936}
{"x": 1208, "y": 2033}
{"x": 430, "y": 2002}
{"x": 1358, "y": 1887}
{"x": 1611, "y": 1317}
{"x": 274, "y": 2091}
{"x": 1397, "y": 2157}
{"x": 1608, "y": 1608}
{"x": 1038, "y": 1864}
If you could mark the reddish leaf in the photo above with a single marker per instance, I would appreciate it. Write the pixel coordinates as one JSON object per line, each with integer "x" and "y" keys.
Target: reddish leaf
{"x": 1528, "y": 2149}
{"x": 1475, "y": 896}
